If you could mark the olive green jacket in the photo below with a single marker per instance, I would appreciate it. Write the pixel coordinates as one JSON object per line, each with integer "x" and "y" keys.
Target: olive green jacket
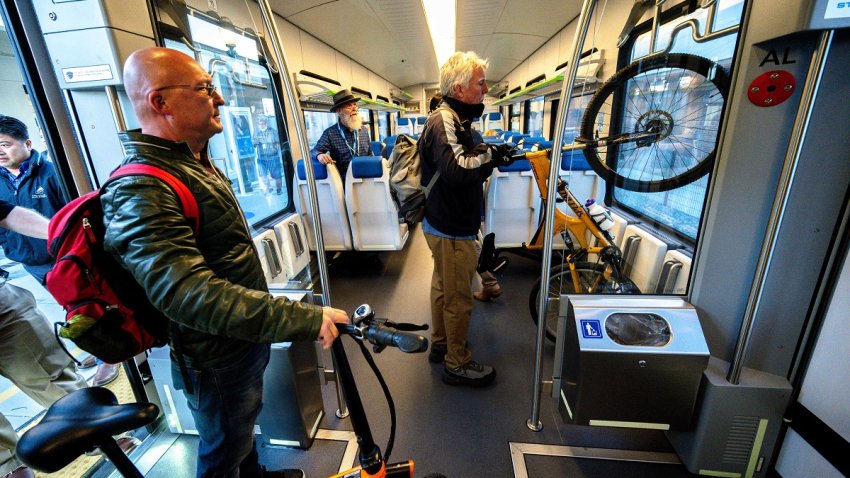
{"x": 211, "y": 284}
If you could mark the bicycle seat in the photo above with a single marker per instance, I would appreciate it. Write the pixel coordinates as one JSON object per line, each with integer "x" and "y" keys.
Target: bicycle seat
{"x": 77, "y": 423}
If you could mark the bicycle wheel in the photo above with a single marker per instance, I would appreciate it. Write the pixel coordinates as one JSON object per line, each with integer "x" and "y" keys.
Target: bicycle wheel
{"x": 679, "y": 97}
{"x": 560, "y": 282}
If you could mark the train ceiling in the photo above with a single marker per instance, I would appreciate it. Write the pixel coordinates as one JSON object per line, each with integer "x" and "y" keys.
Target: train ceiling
{"x": 506, "y": 32}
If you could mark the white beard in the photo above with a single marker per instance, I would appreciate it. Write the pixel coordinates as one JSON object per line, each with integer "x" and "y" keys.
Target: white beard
{"x": 351, "y": 121}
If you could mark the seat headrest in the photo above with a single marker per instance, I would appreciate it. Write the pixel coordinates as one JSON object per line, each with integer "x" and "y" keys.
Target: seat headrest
{"x": 518, "y": 165}
{"x": 574, "y": 161}
{"x": 367, "y": 167}
{"x": 319, "y": 170}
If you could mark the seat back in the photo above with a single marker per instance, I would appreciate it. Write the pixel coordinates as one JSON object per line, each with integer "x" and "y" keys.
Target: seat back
{"x": 268, "y": 250}
{"x": 389, "y": 144}
{"x": 377, "y": 148}
{"x": 292, "y": 237}
{"x": 405, "y": 125}
{"x": 643, "y": 257}
{"x": 372, "y": 213}
{"x": 512, "y": 204}
{"x": 493, "y": 120}
{"x": 333, "y": 214}
{"x": 420, "y": 124}
{"x": 675, "y": 272}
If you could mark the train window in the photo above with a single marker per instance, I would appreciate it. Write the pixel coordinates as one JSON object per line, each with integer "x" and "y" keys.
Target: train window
{"x": 679, "y": 209}
{"x": 514, "y": 116}
{"x": 366, "y": 116}
{"x": 534, "y": 121}
{"x": 578, "y": 103}
{"x": 317, "y": 122}
{"x": 383, "y": 124}
{"x": 254, "y": 149}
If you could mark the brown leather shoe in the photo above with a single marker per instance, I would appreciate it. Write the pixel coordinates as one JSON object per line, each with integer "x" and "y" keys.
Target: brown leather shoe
{"x": 485, "y": 294}
{"x": 106, "y": 373}
{"x": 20, "y": 472}
{"x": 88, "y": 362}
{"x": 125, "y": 443}
{"x": 128, "y": 444}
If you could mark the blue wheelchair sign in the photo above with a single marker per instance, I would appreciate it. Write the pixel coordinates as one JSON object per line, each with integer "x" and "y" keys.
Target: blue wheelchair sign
{"x": 591, "y": 329}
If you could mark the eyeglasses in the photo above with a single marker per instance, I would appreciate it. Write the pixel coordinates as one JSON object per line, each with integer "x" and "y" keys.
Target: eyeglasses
{"x": 4, "y": 276}
{"x": 210, "y": 89}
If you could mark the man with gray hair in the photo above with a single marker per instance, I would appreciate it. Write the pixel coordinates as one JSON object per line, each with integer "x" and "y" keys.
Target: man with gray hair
{"x": 450, "y": 149}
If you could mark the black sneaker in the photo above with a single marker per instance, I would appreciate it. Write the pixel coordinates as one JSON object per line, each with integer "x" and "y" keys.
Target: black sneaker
{"x": 289, "y": 473}
{"x": 438, "y": 353}
{"x": 471, "y": 373}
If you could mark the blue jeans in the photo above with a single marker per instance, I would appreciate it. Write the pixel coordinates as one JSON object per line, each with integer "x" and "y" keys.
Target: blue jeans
{"x": 225, "y": 404}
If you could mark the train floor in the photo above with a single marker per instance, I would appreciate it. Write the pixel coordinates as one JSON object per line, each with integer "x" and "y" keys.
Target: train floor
{"x": 458, "y": 432}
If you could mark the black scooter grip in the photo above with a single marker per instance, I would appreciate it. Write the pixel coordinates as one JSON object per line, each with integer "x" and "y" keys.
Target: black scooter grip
{"x": 404, "y": 341}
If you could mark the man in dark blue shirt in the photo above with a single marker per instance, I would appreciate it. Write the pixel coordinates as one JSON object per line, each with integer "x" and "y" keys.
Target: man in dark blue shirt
{"x": 344, "y": 140}
{"x": 28, "y": 179}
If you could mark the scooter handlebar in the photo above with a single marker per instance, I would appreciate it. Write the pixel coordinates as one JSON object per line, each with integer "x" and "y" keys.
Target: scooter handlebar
{"x": 381, "y": 335}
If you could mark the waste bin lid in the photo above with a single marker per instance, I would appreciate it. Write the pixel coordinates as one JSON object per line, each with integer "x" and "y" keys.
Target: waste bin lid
{"x": 638, "y": 329}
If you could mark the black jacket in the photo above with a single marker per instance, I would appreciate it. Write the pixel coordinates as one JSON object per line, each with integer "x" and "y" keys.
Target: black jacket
{"x": 211, "y": 284}
{"x": 448, "y": 145}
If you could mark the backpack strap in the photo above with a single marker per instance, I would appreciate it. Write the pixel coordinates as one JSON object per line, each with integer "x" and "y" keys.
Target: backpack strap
{"x": 187, "y": 199}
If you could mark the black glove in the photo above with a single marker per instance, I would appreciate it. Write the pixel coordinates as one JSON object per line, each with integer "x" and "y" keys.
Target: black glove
{"x": 480, "y": 149}
{"x": 502, "y": 154}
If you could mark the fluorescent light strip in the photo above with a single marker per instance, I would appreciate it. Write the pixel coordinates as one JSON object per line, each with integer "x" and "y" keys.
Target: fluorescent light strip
{"x": 441, "y": 16}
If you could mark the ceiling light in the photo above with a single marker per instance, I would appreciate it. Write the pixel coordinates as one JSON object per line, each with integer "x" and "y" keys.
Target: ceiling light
{"x": 441, "y": 17}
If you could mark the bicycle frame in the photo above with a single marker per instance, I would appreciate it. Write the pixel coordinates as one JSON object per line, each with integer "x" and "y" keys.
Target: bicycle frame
{"x": 572, "y": 228}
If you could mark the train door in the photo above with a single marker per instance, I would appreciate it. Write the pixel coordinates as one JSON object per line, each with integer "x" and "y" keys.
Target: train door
{"x": 36, "y": 172}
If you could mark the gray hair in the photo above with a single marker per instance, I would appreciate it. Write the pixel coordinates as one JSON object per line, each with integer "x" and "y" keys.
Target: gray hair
{"x": 458, "y": 70}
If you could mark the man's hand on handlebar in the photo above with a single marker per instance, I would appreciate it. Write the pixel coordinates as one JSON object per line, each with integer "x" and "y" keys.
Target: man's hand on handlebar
{"x": 328, "y": 333}
{"x": 502, "y": 154}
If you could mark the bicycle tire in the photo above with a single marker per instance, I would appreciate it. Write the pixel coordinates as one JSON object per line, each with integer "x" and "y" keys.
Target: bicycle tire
{"x": 586, "y": 270}
{"x": 688, "y": 130}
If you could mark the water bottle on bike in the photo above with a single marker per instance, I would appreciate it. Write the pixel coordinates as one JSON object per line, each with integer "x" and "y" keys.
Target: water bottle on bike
{"x": 599, "y": 214}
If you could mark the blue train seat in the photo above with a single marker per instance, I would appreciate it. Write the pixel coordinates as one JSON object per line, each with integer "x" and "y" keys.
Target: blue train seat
{"x": 372, "y": 213}
{"x": 377, "y": 147}
{"x": 512, "y": 204}
{"x": 333, "y": 214}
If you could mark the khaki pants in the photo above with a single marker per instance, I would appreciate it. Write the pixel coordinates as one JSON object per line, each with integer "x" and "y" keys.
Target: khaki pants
{"x": 30, "y": 357}
{"x": 451, "y": 295}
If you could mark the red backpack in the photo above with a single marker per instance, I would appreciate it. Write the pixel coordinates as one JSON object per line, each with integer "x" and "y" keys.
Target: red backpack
{"x": 107, "y": 311}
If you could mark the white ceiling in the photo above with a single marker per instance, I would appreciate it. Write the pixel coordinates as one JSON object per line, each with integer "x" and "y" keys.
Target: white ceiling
{"x": 506, "y": 32}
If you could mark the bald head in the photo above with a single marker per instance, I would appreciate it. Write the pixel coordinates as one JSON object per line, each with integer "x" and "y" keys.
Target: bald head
{"x": 151, "y": 68}
{"x": 166, "y": 88}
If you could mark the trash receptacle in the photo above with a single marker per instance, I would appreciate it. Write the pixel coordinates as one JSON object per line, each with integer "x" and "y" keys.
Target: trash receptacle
{"x": 631, "y": 362}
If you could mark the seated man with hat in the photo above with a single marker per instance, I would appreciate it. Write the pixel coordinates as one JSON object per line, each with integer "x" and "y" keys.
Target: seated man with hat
{"x": 344, "y": 140}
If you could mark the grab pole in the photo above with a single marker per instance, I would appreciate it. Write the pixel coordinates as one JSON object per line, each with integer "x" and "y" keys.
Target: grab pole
{"x": 534, "y": 423}
{"x": 298, "y": 120}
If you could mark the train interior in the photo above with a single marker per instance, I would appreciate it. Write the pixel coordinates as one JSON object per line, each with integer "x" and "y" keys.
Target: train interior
{"x": 680, "y": 191}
